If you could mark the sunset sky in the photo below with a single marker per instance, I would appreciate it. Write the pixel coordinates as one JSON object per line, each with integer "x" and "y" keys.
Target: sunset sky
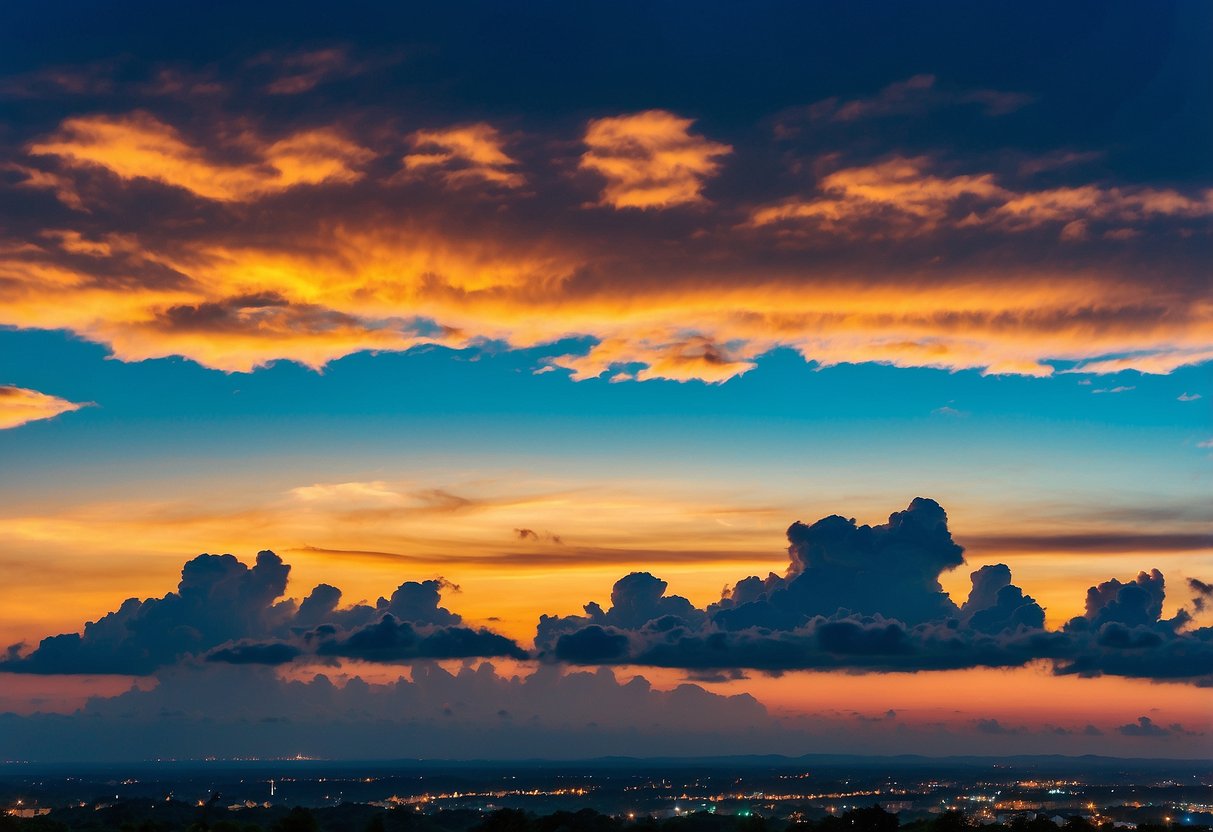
{"x": 498, "y": 304}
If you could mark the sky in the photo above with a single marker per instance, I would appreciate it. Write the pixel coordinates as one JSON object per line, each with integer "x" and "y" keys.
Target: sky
{"x": 566, "y": 379}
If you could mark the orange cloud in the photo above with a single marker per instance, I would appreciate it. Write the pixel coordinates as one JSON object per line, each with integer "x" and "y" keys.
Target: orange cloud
{"x": 1092, "y": 203}
{"x": 893, "y": 198}
{"x": 1153, "y": 364}
{"x": 332, "y": 292}
{"x": 19, "y": 406}
{"x": 63, "y": 187}
{"x": 902, "y": 198}
{"x": 139, "y": 146}
{"x": 689, "y": 358}
{"x": 464, "y": 155}
{"x": 377, "y": 268}
{"x": 650, "y": 159}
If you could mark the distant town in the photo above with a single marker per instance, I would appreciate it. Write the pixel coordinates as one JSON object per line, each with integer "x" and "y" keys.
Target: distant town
{"x": 831, "y": 794}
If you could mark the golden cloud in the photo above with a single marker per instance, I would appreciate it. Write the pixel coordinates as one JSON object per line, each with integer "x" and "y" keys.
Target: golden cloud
{"x": 19, "y": 406}
{"x": 463, "y": 155}
{"x": 139, "y": 146}
{"x": 650, "y": 159}
{"x": 376, "y": 268}
{"x": 238, "y": 306}
{"x": 895, "y": 198}
{"x": 901, "y": 198}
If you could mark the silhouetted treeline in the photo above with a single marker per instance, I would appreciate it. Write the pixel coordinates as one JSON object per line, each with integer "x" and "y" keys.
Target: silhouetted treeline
{"x": 174, "y": 816}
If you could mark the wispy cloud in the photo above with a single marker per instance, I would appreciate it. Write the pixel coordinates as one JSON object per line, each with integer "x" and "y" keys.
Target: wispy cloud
{"x": 20, "y": 406}
{"x": 918, "y": 95}
{"x": 464, "y": 155}
{"x": 140, "y": 146}
{"x": 906, "y": 197}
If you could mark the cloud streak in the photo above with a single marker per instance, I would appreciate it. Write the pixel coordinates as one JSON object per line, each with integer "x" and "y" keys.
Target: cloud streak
{"x": 140, "y": 146}
{"x": 20, "y": 406}
{"x": 463, "y": 156}
{"x": 918, "y": 95}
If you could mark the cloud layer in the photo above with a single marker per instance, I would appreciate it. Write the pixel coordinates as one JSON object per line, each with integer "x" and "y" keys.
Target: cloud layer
{"x": 674, "y": 245}
{"x": 224, "y": 611}
{"x": 868, "y": 597}
{"x": 854, "y": 597}
{"x": 481, "y": 711}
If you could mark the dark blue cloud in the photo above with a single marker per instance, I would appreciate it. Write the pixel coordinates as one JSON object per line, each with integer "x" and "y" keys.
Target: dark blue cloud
{"x": 394, "y": 640}
{"x": 868, "y": 598}
{"x": 229, "y": 613}
{"x": 219, "y": 599}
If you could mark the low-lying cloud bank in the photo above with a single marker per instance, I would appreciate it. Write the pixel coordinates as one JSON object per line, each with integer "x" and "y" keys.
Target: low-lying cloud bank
{"x": 477, "y": 711}
{"x": 869, "y": 598}
{"x": 854, "y": 597}
{"x": 224, "y": 611}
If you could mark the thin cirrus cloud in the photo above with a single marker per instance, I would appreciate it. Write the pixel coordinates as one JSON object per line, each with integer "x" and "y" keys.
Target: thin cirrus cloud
{"x": 20, "y": 406}
{"x": 914, "y": 96}
{"x": 650, "y": 160}
{"x": 300, "y": 72}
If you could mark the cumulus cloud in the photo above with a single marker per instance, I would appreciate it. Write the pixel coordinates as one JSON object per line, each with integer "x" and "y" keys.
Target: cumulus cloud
{"x": 393, "y": 640}
{"x": 854, "y": 597}
{"x": 650, "y": 159}
{"x": 20, "y": 406}
{"x": 869, "y": 598}
{"x": 995, "y": 604}
{"x": 1122, "y": 632}
{"x": 464, "y": 155}
{"x": 1143, "y": 727}
{"x": 1136, "y": 602}
{"x": 229, "y": 613}
{"x": 1202, "y": 593}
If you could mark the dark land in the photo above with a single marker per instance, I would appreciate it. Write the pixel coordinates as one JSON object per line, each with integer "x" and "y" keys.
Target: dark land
{"x": 816, "y": 793}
